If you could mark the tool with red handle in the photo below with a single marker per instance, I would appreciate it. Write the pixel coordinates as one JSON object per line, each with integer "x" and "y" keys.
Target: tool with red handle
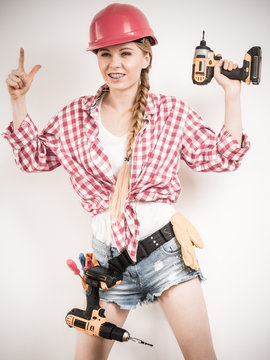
{"x": 73, "y": 267}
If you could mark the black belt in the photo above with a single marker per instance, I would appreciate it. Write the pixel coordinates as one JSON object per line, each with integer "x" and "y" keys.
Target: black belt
{"x": 145, "y": 248}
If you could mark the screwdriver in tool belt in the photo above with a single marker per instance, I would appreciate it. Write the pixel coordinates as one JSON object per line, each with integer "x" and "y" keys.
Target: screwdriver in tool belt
{"x": 73, "y": 267}
{"x": 82, "y": 260}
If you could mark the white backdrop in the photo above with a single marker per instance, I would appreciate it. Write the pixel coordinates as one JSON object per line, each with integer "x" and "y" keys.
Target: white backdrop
{"x": 43, "y": 223}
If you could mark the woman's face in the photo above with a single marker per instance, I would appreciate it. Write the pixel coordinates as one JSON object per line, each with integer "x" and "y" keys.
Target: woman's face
{"x": 121, "y": 65}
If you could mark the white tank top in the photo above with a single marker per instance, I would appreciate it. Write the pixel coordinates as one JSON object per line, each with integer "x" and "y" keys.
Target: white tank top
{"x": 151, "y": 215}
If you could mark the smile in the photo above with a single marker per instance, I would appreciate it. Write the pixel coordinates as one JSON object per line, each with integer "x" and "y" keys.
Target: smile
{"x": 116, "y": 75}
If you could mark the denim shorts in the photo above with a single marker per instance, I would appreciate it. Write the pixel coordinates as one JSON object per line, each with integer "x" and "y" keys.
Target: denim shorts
{"x": 144, "y": 282}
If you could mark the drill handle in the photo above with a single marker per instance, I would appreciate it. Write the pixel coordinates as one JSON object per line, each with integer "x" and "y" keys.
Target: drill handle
{"x": 242, "y": 73}
{"x": 92, "y": 298}
{"x": 235, "y": 74}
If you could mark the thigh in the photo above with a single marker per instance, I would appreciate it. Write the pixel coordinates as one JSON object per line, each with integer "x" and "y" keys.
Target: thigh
{"x": 164, "y": 268}
{"x": 185, "y": 309}
{"x": 92, "y": 347}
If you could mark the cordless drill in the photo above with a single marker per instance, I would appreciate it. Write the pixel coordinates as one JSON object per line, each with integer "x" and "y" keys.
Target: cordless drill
{"x": 205, "y": 60}
{"x": 92, "y": 320}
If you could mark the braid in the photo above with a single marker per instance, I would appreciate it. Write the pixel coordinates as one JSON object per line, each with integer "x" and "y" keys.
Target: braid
{"x": 138, "y": 110}
{"x": 122, "y": 187}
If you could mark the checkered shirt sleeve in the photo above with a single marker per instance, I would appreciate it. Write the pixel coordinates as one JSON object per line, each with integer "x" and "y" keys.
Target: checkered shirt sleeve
{"x": 203, "y": 150}
{"x": 29, "y": 148}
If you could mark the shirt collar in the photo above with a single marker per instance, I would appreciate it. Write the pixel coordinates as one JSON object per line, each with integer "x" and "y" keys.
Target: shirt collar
{"x": 90, "y": 103}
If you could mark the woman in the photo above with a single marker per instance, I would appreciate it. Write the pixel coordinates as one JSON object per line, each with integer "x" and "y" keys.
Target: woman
{"x": 122, "y": 149}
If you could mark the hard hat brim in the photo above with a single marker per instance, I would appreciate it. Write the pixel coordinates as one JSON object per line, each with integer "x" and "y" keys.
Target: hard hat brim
{"x": 92, "y": 46}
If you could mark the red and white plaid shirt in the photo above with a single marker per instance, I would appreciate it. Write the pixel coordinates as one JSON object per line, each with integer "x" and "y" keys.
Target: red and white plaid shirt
{"x": 171, "y": 131}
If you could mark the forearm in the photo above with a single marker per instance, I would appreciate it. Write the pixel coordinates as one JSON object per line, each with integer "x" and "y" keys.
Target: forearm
{"x": 233, "y": 119}
{"x": 19, "y": 111}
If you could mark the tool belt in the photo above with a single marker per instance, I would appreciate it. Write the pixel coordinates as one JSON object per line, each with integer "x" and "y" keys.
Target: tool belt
{"x": 178, "y": 227}
{"x": 145, "y": 248}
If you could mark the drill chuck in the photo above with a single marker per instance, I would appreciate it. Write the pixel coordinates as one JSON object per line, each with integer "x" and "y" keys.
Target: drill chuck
{"x": 113, "y": 332}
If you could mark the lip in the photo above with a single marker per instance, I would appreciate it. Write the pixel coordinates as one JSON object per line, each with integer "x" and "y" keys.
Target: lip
{"x": 116, "y": 73}
{"x": 116, "y": 80}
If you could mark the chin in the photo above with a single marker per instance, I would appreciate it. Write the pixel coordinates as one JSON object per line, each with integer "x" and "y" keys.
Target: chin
{"x": 117, "y": 86}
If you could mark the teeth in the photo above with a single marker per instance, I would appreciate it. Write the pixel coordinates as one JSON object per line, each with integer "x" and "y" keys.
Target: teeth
{"x": 116, "y": 76}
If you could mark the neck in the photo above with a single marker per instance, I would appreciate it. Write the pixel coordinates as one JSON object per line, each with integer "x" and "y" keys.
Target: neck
{"x": 121, "y": 100}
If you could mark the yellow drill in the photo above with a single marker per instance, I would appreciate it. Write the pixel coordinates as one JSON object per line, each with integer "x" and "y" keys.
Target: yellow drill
{"x": 205, "y": 60}
{"x": 92, "y": 320}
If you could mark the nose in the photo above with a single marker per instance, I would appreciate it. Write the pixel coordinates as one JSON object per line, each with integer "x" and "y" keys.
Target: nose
{"x": 115, "y": 61}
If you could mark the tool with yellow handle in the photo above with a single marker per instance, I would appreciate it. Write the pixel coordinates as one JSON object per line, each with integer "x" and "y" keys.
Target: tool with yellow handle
{"x": 205, "y": 60}
{"x": 92, "y": 320}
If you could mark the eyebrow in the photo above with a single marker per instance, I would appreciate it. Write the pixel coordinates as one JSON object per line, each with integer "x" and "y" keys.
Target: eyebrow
{"x": 105, "y": 49}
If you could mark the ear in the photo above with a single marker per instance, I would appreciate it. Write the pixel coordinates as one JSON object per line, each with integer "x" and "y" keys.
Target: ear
{"x": 146, "y": 61}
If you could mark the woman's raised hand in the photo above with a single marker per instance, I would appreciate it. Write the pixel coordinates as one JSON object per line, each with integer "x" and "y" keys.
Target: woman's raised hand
{"x": 18, "y": 81}
{"x": 224, "y": 81}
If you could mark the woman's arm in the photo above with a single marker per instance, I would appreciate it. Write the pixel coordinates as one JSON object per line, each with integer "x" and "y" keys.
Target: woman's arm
{"x": 201, "y": 148}
{"x": 32, "y": 152}
{"x": 19, "y": 111}
{"x": 232, "y": 89}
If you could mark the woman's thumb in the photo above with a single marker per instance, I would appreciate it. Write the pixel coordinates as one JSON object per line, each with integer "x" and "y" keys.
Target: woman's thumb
{"x": 34, "y": 71}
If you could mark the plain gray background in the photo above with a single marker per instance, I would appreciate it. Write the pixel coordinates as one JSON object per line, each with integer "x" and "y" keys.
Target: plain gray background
{"x": 43, "y": 223}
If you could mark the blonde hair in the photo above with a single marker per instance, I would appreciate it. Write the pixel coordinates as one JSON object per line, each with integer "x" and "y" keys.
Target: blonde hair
{"x": 122, "y": 187}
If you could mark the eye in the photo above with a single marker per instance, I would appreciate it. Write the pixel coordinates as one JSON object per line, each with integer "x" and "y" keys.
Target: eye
{"x": 126, "y": 53}
{"x": 105, "y": 54}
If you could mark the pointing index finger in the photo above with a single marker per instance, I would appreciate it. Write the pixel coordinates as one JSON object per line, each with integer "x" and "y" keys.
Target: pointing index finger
{"x": 21, "y": 60}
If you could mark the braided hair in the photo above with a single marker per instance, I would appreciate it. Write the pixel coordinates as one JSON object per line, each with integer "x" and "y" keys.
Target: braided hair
{"x": 122, "y": 187}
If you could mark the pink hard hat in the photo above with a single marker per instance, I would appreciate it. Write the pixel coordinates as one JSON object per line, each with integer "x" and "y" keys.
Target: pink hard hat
{"x": 119, "y": 23}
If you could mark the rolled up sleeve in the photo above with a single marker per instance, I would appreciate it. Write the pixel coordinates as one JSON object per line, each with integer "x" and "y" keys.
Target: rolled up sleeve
{"x": 203, "y": 150}
{"x": 229, "y": 147}
{"x": 30, "y": 151}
